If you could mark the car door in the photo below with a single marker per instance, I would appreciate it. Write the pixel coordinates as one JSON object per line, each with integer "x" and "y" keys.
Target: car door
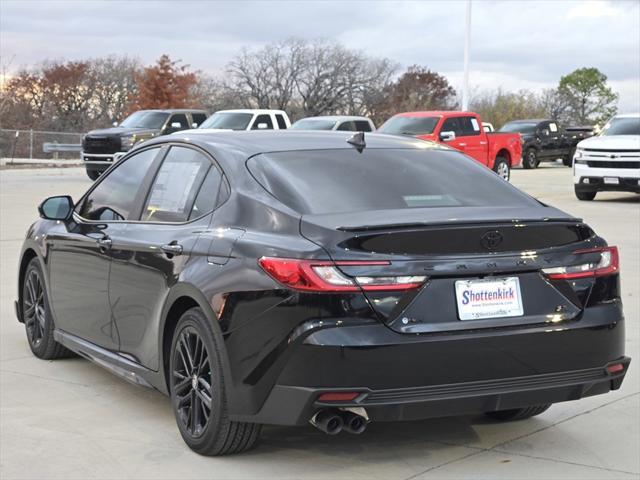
{"x": 556, "y": 140}
{"x": 150, "y": 255}
{"x": 545, "y": 140}
{"x": 80, "y": 251}
{"x": 474, "y": 140}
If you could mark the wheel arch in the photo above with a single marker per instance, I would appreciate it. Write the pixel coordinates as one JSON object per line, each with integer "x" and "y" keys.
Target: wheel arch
{"x": 506, "y": 154}
{"x": 182, "y": 297}
{"x": 27, "y": 255}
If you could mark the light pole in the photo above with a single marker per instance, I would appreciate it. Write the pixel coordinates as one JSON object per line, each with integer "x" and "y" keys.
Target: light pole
{"x": 467, "y": 41}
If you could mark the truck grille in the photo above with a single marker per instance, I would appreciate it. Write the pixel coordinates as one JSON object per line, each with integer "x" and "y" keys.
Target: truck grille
{"x": 612, "y": 164}
{"x": 101, "y": 144}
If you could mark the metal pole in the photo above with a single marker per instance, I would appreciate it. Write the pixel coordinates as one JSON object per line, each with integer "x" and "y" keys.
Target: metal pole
{"x": 31, "y": 144}
{"x": 467, "y": 41}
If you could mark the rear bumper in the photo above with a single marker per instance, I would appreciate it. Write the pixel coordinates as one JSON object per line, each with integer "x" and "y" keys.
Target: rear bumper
{"x": 288, "y": 405}
{"x": 416, "y": 376}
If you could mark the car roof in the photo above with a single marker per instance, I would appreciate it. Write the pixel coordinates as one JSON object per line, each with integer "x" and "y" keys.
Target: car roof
{"x": 174, "y": 110}
{"x": 252, "y": 110}
{"x": 435, "y": 113}
{"x": 249, "y": 143}
{"x": 336, "y": 117}
{"x": 627, "y": 115}
{"x": 532, "y": 120}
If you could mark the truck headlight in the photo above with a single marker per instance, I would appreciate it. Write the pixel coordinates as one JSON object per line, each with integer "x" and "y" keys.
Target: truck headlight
{"x": 127, "y": 141}
{"x": 578, "y": 153}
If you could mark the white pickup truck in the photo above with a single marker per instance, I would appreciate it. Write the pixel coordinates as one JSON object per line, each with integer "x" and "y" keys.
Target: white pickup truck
{"x": 609, "y": 161}
{"x": 246, "y": 119}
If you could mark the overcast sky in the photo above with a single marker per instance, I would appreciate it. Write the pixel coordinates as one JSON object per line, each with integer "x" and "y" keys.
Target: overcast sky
{"x": 515, "y": 44}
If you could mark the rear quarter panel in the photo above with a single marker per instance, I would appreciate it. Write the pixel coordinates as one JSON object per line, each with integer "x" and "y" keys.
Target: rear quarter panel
{"x": 497, "y": 143}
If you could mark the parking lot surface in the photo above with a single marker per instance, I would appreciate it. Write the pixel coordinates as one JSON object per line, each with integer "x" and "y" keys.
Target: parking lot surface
{"x": 70, "y": 419}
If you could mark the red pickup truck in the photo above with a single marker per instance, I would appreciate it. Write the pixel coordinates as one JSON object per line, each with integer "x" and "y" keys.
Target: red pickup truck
{"x": 462, "y": 131}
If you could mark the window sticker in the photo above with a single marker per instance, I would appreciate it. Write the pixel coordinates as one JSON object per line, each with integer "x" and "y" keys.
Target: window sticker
{"x": 553, "y": 127}
{"x": 474, "y": 124}
{"x": 173, "y": 186}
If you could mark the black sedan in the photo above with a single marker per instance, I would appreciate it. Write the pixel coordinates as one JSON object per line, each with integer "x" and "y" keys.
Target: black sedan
{"x": 313, "y": 277}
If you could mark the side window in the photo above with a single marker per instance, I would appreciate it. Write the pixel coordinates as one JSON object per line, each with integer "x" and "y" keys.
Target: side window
{"x": 363, "y": 126}
{"x": 207, "y": 195}
{"x": 282, "y": 125}
{"x": 198, "y": 118}
{"x": 262, "y": 120}
{"x": 179, "y": 118}
{"x": 452, "y": 125}
{"x": 176, "y": 185}
{"x": 469, "y": 126}
{"x": 348, "y": 126}
{"x": 114, "y": 197}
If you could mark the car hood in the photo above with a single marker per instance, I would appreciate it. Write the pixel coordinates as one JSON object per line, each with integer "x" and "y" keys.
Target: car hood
{"x": 615, "y": 142}
{"x": 119, "y": 131}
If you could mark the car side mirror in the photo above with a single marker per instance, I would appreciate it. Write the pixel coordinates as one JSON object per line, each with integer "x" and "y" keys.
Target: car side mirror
{"x": 176, "y": 125}
{"x": 56, "y": 208}
{"x": 544, "y": 132}
{"x": 447, "y": 136}
{"x": 115, "y": 124}
{"x": 262, "y": 126}
{"x": 194, "y": 125}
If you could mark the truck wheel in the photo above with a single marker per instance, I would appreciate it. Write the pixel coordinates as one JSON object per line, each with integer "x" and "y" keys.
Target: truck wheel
{"x": 518, "y": 413}
{"x": 584, "y": 195}
{"x": 501, "y": 167}
{"x": 93, "y": 174}
{"x": 530, "y": 159}
{"x": 568, "y": 160}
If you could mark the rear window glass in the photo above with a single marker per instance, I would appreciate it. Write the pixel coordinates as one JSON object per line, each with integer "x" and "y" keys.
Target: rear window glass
{"x": 409, "y": 125}
{"x": 335, "y": 181}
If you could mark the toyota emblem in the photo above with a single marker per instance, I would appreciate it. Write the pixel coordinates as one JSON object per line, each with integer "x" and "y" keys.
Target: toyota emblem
{"x": 490, "y": 240}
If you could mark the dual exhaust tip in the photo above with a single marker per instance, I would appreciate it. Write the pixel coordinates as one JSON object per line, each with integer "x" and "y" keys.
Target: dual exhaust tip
{"x": 333, "y": 422}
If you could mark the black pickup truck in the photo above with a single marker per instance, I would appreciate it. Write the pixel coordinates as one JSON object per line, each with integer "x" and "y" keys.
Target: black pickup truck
{"x": 100, "y": 148}
{"x": 546, "y": 140}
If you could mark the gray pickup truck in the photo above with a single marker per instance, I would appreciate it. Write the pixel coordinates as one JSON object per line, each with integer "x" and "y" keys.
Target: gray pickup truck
{"x": 100, "y": 148}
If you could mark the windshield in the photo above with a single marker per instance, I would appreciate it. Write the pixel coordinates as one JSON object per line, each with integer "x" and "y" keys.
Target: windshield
{"x": 144, "y": 119}
{"x": 338, "y": 181}
{"x": 622, "y": 126}
{"x": 314, "y": 124}
{"x": 519, "y": 127}
{"x": 228, "y": 121}
{"x": 409, "y": 125}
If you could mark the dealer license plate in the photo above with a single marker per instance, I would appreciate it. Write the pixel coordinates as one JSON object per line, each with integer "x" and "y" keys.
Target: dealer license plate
{"x": 489, "y": 298}
{"x": 611, "y": 180}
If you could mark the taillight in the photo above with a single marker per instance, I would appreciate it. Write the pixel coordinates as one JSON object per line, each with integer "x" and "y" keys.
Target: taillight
{"x": 607, "y": 265}
{"x": 325, "y": 276}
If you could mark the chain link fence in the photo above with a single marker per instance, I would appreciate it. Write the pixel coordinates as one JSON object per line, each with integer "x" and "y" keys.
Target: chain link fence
{"x": 39, "y": 145}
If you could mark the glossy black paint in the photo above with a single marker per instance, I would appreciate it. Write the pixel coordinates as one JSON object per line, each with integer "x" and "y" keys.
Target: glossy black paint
{"x": 116, "y": 301}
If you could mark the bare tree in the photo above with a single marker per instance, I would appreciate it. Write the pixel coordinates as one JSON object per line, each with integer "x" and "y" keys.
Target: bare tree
{"x": 500, "y": 107}
{"x": 115, "y": 79}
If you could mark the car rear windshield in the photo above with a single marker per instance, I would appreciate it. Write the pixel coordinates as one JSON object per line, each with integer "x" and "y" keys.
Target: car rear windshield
{"x": 314, "y": 124}
{"x": 409, "y": 125}
{"x": 338, "y": 181}
{"x": 622, "y": 126}
{"x": 228, "y": 121}
{"x": 519, "y": 127}
{"x": 145, "y": 120}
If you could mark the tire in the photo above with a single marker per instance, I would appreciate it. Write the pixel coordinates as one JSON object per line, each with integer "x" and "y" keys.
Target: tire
{"x": 518, "y": 413}
{"x": 585, "y": 196}
{"x": 530, "y": 159}
{"x": 93, "y": 174}
{"x": 196, "y": 377}
{"x": 568, "y": 160}
{"x": 38, "y": 321}
{"x": 501, "y": 167}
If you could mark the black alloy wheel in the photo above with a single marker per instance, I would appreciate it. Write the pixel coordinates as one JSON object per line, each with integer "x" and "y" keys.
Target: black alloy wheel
{"x": 191, "y": 381}
{"x": 34, "y": 308}
{"x": 197, "y": 387}
{"x": 38, "y": 321}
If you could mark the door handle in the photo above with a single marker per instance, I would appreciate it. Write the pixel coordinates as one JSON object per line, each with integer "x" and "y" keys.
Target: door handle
{"x": 172, "y": 249}
{"x": 105, "y": 243}
{"x": 462, "y": 144}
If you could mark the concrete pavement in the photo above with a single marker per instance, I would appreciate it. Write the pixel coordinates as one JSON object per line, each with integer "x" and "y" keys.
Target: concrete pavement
{"x": 70, "y": 419}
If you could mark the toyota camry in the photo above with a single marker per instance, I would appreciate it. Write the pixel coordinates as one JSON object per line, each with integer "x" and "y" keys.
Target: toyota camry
{"x": 320, "y": 278}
